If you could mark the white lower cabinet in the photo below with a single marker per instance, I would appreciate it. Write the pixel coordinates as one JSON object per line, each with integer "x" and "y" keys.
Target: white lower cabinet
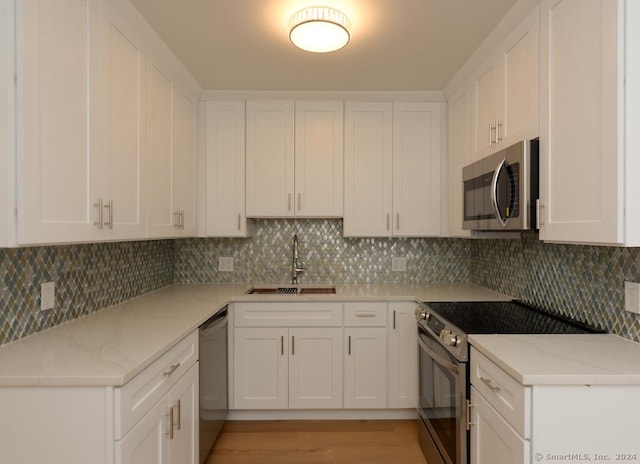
{"x": 315, "y": 368}
{"x": 168, "y": 433}
{"x": 403, "y": 355}
{"x": 323, "y": 355}
{"x": 493, "y": 439}
{"x": 261, "y": 368}
{"x": 280, "y": 368}
{"x": 365, "y": 367}
{"x": 511, "y": 423}
{"x": 151, "y": 419}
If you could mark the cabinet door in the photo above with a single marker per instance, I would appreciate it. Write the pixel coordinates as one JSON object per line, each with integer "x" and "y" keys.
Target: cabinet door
{"x": 161, "y": 218}
{"x": 260, "y": 368}
{"x": 123, "y": 169}
{"x": 7, "y": 124}
{"x": 367, "y": 168}
{"x": 520, "y": 57}
{"x": 403, "y": 356}
{"x": 315, "y": 368}
{"x": 148, "y": 441}
{"x": 183, "y": 166}
{"x": 488, "y": 106}
{"x": 581, "y": 160}
{"x": 365, "y": 368}
{"x": 270, "y": 158}
{"x": 319, "y": 149}
{"x": 492, "y": 440}
{"x": 183, "y": 398}
{"x": 225, "y": 162}
{"x": 58, "y": 120}
{"x": 460, "y": 141}
{"x": 416, "y": 168}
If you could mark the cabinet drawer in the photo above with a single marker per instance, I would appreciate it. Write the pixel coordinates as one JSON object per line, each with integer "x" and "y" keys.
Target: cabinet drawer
{"x": 511, "y": 399}
{"x": 284, "y": 314}
{"x": 365, "y": 314}
{"x": 137, "y": 397}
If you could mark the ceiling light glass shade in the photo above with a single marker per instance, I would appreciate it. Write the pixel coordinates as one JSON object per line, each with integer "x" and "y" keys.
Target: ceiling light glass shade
{"x": 319, "y": 29}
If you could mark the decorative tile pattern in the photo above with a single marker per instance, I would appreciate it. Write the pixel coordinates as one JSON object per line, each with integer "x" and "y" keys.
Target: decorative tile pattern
{"x": 583, "y": 282}
{"x": 87, "y": 278}
{"x": 328, "y": 257}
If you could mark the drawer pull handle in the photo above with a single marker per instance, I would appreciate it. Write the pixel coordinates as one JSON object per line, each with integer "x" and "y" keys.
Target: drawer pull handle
{"x": 171, "y": 370}
{"x": 361, "y": 314}
{"x": 489, "y": 383}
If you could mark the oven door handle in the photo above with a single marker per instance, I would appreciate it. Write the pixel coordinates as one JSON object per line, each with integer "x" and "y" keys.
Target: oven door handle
{"x": 441, "y": 360}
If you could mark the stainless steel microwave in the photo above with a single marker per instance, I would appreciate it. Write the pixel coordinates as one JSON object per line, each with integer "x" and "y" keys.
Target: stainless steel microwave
{"x": 500, "y": 191}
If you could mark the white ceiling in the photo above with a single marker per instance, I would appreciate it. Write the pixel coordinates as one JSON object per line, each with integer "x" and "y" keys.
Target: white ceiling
{"x": 396, "y": 45}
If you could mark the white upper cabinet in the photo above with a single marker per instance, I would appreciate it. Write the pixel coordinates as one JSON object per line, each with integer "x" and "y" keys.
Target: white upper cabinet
{"x": 294, "y": 159}
{"x": 416, "y": 168}
{"x": 85, "y": 87}
{"x": 392, "y": 168}
{"x": 81, "y": 118}
{"x": 58, "y": 123}
{"x": 319, "y": 159}
{"x": 589, "y": 141}
{"x": 460, "y": 141}
{"x": 7, "y": 123}
{"x": 225, "y": 169}
{"x": 505, "y": 86}
{"x": 367, "y": 168}
{"x": 270, "y": 169}
{"x": 171, "y": 154}
{"x": 122, "y": 174}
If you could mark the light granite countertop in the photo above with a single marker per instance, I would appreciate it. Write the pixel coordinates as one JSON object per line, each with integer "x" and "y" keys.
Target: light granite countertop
{"x": 593, "y": 359}
{"x": 109, "y": 347}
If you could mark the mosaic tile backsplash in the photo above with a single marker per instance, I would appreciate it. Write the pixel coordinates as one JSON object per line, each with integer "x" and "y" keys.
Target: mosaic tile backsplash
{"x": 582, "y": 282}
{"x": 328, "y": 257}
{"x": 87, "y": 278}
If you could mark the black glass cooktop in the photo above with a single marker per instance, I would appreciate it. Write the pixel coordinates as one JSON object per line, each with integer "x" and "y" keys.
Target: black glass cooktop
{"x": 507, "y": 317}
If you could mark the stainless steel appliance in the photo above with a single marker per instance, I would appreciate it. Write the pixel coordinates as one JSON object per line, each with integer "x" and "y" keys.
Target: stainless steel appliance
{"x": 500, "y": 191}
{"x": 213, "y": 380}
{"x": 443, "y": 328}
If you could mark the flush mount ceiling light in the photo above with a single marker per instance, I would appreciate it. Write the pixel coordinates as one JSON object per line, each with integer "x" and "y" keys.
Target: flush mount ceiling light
{"x": 319, "y": 29}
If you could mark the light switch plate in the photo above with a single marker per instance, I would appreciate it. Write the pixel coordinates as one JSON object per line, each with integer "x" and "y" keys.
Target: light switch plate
{"x": 632, "y": 297}
{"x": 47, "y": 295}
{"x": 399, "y": 264}
{"x": 225, "y": 264}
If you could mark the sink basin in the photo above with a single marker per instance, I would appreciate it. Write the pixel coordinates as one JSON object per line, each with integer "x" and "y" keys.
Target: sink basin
{"x": 317, "y": 291}
{"x": 292, "y": 291}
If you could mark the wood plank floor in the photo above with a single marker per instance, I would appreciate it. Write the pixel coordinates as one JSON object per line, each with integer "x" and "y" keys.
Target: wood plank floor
{"x": 318, "y": 442}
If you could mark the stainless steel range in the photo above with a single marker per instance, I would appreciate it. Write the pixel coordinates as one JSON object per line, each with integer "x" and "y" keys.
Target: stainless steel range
{"x": 443, "y": 329}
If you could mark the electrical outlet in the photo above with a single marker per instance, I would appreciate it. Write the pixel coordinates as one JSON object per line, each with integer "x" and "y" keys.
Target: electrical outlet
{"x": 399, "y": 264}
{"x": 632, "y": 297}
{"x": 47, "y": 295}
{"x": 225, "y": 264}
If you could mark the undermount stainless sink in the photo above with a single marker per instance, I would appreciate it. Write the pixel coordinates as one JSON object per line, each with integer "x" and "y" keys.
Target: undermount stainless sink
{"x": 292, "y": 291}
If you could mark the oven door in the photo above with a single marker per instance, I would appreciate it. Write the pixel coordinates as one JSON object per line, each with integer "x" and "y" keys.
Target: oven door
{"x": 442, "y": 401}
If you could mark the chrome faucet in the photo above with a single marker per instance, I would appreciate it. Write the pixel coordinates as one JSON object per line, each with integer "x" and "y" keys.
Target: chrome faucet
{"x": 297, "y": 266}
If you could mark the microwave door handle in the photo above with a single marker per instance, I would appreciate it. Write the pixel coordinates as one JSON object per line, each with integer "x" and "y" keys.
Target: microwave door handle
{"x": 494, "y": 193}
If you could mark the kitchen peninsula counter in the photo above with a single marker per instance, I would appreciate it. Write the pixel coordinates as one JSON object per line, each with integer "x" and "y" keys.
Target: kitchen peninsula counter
{"x": 585, "y": 359}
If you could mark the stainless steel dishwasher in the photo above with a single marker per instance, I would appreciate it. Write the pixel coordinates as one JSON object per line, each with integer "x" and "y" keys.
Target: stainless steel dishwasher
{"x": 213, "y": 380}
